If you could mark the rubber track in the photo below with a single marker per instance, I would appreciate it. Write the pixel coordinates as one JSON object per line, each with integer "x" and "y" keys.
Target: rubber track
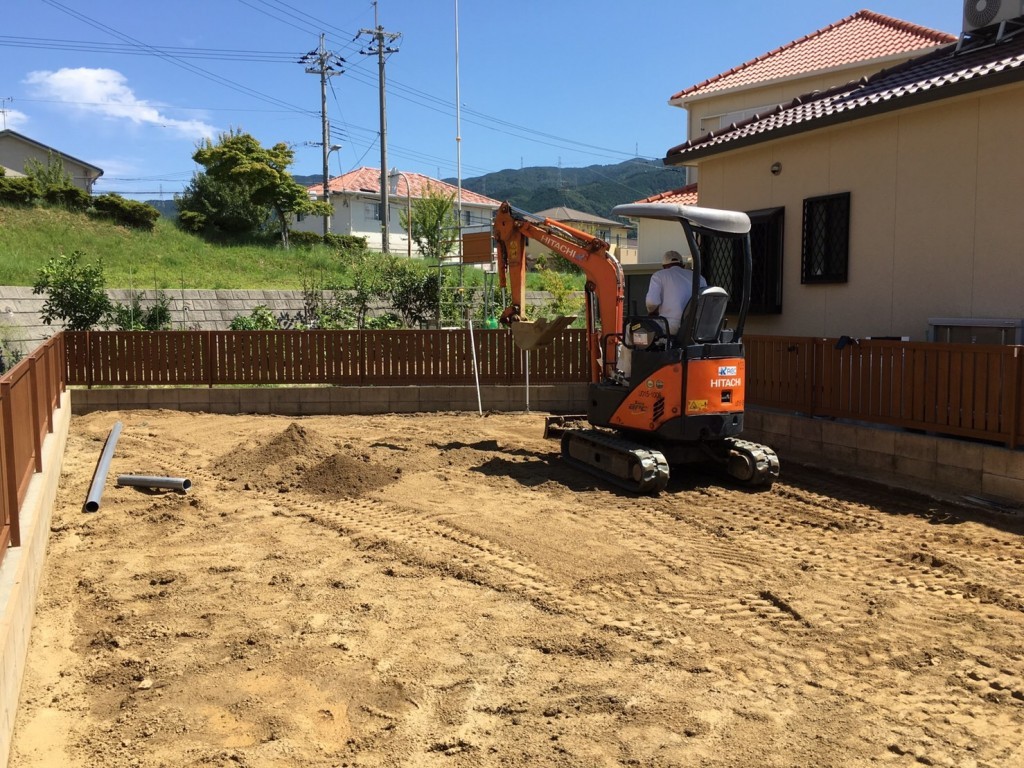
{"x": 655, "y": 469}
{"x": 765, "y": 461}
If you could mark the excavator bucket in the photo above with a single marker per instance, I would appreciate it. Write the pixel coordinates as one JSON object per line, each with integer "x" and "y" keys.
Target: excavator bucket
{"x": 556, "y": 426}
{"x": 529, "y": 334}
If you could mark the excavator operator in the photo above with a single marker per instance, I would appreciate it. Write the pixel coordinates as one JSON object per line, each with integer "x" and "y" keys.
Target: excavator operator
{"x": 670, "y": 289}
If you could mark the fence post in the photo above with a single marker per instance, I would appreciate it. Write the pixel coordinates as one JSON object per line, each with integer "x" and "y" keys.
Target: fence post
{"x": 1015, "y": 388}
{"x": 10, "y": 467}
{"x": 208, "y": 358}
{"x": 33, "y": 388}
{"x": 88, "y": 360}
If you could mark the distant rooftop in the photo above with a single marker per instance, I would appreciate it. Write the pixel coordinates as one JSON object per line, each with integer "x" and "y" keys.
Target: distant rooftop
{"x": 561, "y": 213}
{"x": 367, "y": 180}
{"x": 864, "y": 36}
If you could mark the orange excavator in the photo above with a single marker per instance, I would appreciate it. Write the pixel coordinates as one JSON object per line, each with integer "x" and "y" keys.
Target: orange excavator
{"x": 655, "y": 399}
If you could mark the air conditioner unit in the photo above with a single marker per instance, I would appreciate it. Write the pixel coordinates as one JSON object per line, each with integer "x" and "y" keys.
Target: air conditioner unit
{"x": 988, "y": 13}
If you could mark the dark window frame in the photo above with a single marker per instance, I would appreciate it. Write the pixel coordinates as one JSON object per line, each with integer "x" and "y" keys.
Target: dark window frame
{"x": 825, "y": 244}
{"x": 722, "y": 261}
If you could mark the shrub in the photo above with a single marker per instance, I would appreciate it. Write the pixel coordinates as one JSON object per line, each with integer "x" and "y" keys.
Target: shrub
{"x": 128, "y": 213}
{"x": 135, "y": 317}
{"x": 18, "y": 190}
{"x": 345, "y": 242}
{"x": 306, "y": 239}
{"x": 260, "y": 319}
{"x": 71, "y": 198}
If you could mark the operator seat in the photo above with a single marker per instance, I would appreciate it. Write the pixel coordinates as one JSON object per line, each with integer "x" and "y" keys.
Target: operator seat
{"x": 711, "y": 308}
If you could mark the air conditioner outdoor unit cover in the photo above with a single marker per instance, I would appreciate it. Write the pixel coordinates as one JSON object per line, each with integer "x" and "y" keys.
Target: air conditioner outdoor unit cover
{"x": 987, "y": 13}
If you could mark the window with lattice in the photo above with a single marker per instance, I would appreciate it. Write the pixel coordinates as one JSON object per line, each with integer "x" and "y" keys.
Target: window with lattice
{"x": 826, "y": 239}
{"x": 722, "y": 260}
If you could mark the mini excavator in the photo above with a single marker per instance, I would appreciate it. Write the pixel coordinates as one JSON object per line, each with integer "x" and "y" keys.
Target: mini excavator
{"x": 655, "y": 399}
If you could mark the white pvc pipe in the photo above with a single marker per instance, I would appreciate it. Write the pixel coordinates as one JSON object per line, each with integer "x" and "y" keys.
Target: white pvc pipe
{"x": 99, "y": 476}
{"x": 476, "y": 369}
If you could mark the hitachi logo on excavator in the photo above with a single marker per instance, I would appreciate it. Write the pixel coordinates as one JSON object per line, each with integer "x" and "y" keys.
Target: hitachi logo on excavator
{"x": 559, "y": 247}
{"x": 723, "y": 383}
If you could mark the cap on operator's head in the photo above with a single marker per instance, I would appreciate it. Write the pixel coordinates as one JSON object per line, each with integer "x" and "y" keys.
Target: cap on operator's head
{"x": 672, "y": 257}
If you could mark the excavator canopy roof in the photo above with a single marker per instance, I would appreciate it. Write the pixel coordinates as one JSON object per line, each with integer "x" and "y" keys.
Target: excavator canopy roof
{"x": 727, "y": 222}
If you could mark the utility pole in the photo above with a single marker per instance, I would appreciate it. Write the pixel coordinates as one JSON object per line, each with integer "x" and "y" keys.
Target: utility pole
{"x": 379, "y": 47}
{"x": 327, "y": 65}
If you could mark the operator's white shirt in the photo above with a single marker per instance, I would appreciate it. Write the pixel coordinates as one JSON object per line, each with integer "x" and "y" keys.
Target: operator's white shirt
{"x": 669, "y": 292}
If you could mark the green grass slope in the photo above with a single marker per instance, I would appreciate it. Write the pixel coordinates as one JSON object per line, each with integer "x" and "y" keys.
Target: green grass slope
{"x": 163, "y": 259}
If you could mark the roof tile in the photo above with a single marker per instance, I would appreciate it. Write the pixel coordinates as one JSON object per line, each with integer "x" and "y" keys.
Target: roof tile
{"x": 412, "y": 184}
{"x": 864, "y": 36}
{"x": 941, "y": 73}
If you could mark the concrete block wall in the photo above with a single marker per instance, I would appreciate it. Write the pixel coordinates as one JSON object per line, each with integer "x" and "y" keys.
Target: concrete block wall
{"x": 920, "y": 461}
{"x": 316, "y": 401}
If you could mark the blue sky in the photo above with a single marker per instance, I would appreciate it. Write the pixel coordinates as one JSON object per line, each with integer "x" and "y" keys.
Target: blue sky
{"x": 131, "y": 87}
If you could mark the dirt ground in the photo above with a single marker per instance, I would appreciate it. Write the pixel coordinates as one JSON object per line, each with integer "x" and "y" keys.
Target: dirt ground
{"x": 439, "y": 590}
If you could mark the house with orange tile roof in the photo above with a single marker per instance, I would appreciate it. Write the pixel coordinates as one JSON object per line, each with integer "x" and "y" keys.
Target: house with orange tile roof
{"x": 356, "y": 202}
{"x": 848, "y": 50}
{"x": 887, "y": 206}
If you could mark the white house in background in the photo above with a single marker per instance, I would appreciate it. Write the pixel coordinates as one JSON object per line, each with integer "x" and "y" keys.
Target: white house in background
{"x": 355, "y": 200}
{"x": 16, "y": 149}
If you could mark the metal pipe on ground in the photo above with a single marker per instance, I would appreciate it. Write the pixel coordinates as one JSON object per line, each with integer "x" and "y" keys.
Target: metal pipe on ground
{"x": 99, "y": 475}
{"x": 151, "y": 481}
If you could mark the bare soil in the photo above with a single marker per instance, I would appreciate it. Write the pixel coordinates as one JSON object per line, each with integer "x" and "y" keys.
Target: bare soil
{"x": 440, "y": 590}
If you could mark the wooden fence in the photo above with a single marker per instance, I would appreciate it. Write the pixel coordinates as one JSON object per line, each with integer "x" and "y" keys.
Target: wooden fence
{"x": 360, "y": 358}
{"x": 29, "y": 394}
{"x": 964, "y": 390}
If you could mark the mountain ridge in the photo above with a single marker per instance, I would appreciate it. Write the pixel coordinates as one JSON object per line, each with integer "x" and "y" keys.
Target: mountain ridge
{"x": 594, "y": 189}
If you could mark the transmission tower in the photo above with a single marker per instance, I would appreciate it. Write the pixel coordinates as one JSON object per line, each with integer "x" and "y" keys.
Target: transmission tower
{"x": 380, "y": 47}
{"x": 326, "y": 64}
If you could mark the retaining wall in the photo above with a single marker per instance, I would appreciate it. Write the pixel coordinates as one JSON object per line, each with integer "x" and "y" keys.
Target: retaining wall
{"x": 21, "y": 573}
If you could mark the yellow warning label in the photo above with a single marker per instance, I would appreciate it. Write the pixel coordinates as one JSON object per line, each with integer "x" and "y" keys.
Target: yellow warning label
{"x": 696, "y": 405}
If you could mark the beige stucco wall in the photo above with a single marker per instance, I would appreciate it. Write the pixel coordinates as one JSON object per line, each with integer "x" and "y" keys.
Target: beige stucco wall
{"x": 934, "y": 230}
{"x": 14, "y": 153}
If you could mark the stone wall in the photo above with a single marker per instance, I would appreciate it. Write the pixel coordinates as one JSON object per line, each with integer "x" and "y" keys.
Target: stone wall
{"x": 205, "y": 310}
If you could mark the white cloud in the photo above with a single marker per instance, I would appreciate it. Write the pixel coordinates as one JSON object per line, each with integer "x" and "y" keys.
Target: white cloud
{"x": 13, "y": 119}
{"x": 105, "y": 92}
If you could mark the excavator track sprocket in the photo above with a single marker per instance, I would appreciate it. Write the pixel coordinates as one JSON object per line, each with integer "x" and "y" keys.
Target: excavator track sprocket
{"x": 626, "y": 464}
{"x": 752, "y": 464}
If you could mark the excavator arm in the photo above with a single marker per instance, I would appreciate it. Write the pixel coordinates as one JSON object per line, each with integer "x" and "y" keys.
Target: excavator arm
{"x": 605, "y": 288}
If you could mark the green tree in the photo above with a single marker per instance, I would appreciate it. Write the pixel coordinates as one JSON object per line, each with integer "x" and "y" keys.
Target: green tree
{"x": 410, "y": 287}
{"x": 217, "y": 208}
{"x": 74, "y": 291}
{"x": 435, "y": 230}
{"x": 238, "y": 158}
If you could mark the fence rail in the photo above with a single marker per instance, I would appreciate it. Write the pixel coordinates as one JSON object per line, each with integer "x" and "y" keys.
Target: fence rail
{"x": 211, "y": 358}
{"x": 964, "y": 390}
{"x": 29, "y": 394}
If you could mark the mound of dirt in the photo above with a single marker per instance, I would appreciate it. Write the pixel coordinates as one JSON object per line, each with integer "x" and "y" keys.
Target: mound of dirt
{"x": 302, "y": 458}
{"x": 341, "y": 475}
